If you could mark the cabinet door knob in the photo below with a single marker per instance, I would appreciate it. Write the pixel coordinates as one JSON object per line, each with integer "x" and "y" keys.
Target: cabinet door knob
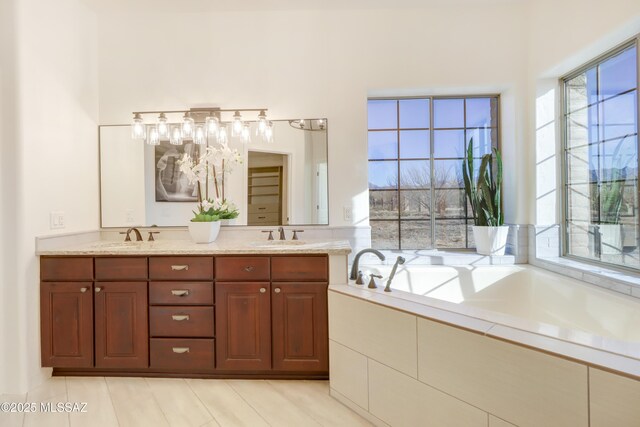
{"x": 249, "y": 268}
{"x": 180, "y": 317}
{"x": 179, "y": 267}
{"x": 180, "y": 350}
{"x": 179, "y": 292}
{"x": 276, "y": 290}
{"x": 263, "y": 290}
{"x": 98, "y": 289}
{"x": 83, "y": 290}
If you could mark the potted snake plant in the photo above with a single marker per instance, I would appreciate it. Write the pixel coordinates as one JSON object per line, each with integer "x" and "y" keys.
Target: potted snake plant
{"x": 484, "y": 194}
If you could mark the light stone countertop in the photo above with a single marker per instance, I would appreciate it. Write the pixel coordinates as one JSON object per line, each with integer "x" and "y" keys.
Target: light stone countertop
{"x": 187, "y": 247}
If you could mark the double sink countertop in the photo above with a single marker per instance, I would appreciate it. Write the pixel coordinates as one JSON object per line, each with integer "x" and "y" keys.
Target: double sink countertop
{"x": 188, "y": 247}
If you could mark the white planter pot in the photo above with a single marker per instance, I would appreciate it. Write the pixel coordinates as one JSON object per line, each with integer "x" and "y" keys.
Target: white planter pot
{"x": 204, "y": 232}
{"x": 491, "y": 240}
{"x": 610, "y": 239}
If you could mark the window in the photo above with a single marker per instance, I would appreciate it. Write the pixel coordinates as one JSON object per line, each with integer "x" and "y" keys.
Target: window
{"x": 416, "y": 148}
{"x": 601, "y": 160}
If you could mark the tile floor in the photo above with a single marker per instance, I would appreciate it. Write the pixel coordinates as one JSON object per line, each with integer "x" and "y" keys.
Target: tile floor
{"x": 160, "y": 402}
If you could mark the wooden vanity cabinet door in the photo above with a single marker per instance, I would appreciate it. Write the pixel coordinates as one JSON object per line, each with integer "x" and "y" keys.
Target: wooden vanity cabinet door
{"x": 121, "y": 325}
{"x": 243, "y": 326}
{"x": 66, "y": 324}
{"x": 300, "y": 327}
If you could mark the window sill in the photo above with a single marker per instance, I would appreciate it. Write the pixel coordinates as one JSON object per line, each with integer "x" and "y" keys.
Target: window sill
{"x": 619, "y": 281}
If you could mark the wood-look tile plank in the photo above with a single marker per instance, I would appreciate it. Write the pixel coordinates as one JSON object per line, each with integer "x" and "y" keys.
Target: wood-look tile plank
{"x": 227, "y": 407}
{"x": 313, "y": 397}
{"x": 134, "y": 403}
{"x": 276, "y": 409}
{"x": 12, "y": 419}
{"x": 53, "y": 390}
{"x": 179, "y": 404}
{"x": 95, "y": 393}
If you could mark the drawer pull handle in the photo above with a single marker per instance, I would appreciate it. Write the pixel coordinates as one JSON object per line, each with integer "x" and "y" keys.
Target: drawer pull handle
{"x": 179, "y": 267}
{"x": 249, "y": 268}
{"x": 261, "y": 217}
{"x": 180, "y": 292}
{"x": 263, "y": 290}
{"x": 180, "y": 317}
{"x": 276, "y": 290}
{"x": 261, "y": 209}
{"x": 98, "y": 289}
{"x": 83, "y": 290}
{"x": 180, "y": 350}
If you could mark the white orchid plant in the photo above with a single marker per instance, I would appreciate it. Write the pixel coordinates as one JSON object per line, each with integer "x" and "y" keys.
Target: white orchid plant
{"x": 209, "y": 170}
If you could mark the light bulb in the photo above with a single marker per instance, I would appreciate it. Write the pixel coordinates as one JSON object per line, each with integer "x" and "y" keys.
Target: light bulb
{"x": 212, "y": 124}
{"x": 175, "y": 137}
{"x": 246, "y": 133}
{"x": 223, "y": 138}
{"x": 187, "y": 126}
{"x": 301, "y": 123}
{"x": 138, "y": 129}
{"x": 236, "y": 126}
{"x": 153, "y": 138}
{"x": 268, "y": 133}
{"x": 163, "y": 127}
{"x": 199, "y": 135}
{"x": 322, "y": 124}
{"x": 262, "y": 123}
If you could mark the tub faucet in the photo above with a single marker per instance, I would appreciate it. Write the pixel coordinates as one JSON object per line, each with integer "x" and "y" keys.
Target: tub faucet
{"x": 399, "y": 260}
{"x": 356, "y": 261}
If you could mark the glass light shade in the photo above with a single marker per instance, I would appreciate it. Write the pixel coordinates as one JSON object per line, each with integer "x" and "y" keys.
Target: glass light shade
{"x": 268, "y": 132}
{"x": 153, "y": 136}
{"x": 322, "y": 124}
{"x": 175, "y": 136}
{"x": 245, "y": 135}
{"x": 188, "y": 127}
{"x": 199, "y": 135}
{"x": 236, "y": 125}
{"x": 138, "y": 129}
{"x": 163, "y": 127}
{"x": 262, "y": 123}
{"x": 223, "y": 138}
{"x": 212, "y": 124}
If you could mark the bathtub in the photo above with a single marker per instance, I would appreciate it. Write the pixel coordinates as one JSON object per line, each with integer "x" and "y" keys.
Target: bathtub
{"x": 504, "y": 343}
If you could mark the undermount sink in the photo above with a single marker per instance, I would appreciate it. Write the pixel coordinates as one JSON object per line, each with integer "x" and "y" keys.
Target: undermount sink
{"x": 279, "y": 243}
{"x": 116, "y": 245}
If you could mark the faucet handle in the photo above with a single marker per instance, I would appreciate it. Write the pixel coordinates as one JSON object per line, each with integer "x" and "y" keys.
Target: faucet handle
{"x": 128, "y": 238}
{"x": 151, "y": 233}
{"x": 360, "y": 279}
{"x": 295, "y": 234}
{"x": 270, "y": 234}
{"x": 372, "y": 281}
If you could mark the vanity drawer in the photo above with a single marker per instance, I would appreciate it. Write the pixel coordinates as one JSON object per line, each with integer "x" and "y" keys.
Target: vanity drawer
{"x": 181, "y": 293}
{"x": 130, "y": 268}
{"x": 181, "y": 321}
{"x": 261, "y": 208}
{"x": 268, "y": 218}
{"x": 181, "y": 268}
{"x": 300, "y": 268}
{"x": 66, "y": 269}
{"x": 229, "y": 269}
{"x": 180, "y": 353}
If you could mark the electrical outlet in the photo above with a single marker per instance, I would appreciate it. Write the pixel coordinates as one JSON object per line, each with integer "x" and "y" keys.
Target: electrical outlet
{"x": 347, "y": 213}
{"x": 56, "y": 220}
{"x": 129, "y": 216}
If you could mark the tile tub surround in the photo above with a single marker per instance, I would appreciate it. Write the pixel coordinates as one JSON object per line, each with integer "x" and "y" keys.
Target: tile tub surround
{"x": 457, "y": 369}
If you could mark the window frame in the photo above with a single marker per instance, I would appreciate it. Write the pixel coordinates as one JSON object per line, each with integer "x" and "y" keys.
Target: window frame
{"x": 564, "y": 194}
{"x": 432, "y": 188}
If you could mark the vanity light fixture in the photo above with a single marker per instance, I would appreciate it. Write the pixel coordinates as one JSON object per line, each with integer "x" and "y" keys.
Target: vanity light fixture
{"x": 236, "y": 127}
{"x": 200, "y": 125}
{"x": 315, "y": 125}
{"x": 138, "y": 129}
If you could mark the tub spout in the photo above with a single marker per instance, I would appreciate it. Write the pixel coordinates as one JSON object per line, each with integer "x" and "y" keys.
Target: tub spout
{"x": 399, "y": 260}
{"x": 356, "y": 261}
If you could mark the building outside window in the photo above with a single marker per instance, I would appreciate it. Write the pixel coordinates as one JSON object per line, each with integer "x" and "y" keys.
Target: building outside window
{"x": 601, "y": 220}
{"x": 416, "y": 148}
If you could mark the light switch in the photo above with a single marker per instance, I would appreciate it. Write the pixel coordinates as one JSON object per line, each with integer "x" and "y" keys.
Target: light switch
{"x": 56, "y": 220}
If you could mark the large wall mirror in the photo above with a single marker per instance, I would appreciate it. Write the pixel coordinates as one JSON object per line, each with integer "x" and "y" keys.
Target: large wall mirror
{"x": 283, "y": 182}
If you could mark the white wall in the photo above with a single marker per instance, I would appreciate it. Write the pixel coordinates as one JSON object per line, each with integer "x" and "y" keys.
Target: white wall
{"x": 53, "y": 160}
{"x": 563, "y": 35}
{"x": 320, "y": 64}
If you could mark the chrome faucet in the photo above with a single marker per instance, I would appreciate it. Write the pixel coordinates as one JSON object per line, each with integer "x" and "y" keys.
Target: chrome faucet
{"x": 356, "y": 261}
{"x": 136, "y": 231}
{"x": 399, "y": 260}
{"x": 281, "y": 231}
